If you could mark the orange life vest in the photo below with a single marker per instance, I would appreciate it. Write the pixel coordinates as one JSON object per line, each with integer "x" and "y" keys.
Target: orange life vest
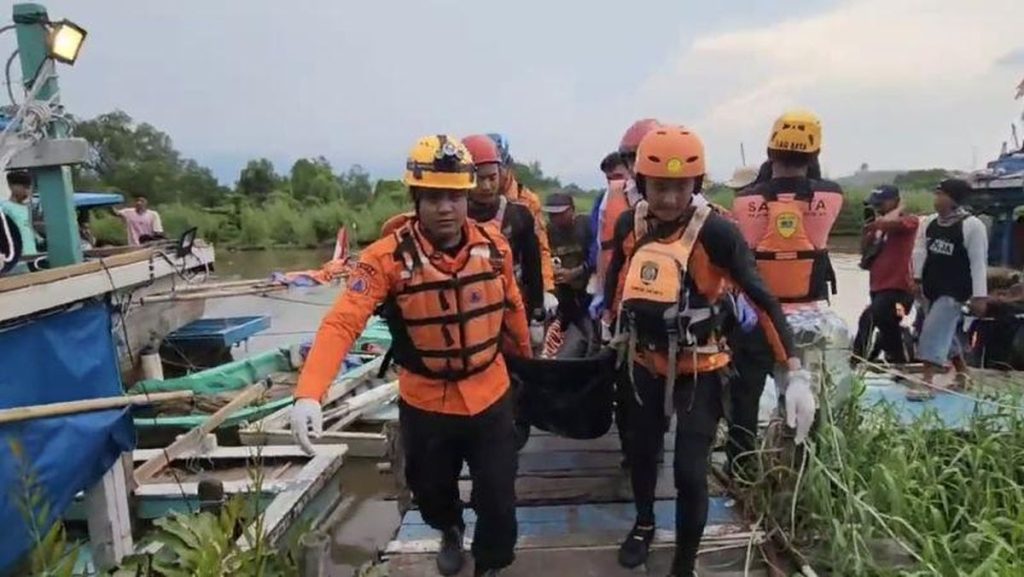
{"x": 614, "y": 204}
{"x": 446, "y": 326}
{"x": 670, "y": 293}
{"x": 787, "y": 223}
{"x": 793, "y": 268}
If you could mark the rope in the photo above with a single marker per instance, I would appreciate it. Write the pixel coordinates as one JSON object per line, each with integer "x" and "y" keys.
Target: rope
{"x": 922, "y": 382}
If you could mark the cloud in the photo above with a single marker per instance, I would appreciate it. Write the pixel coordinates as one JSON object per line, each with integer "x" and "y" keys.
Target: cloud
{"x": 896, "y": 82}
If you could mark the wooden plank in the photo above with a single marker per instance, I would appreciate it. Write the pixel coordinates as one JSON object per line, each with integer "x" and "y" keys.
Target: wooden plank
{"x": 122, "y": 271}
{"x": 345, "y": 384}
{"x": 583, "y": 519}
{"x": 713, "y": 562}
{"x": 245, "y": 452}
{"x": 87, "y": 405}
{"x": 289, "y": 505}
{"x": 191, "y": 488}
{"x": 192, "y": 439}
{"x": 368, "y": 445}
{"x": 543, "y": 442}
{"x": 51, "y": 275}
{"x": 351, "y": 409}
{"x": 601, "y": 489}
{"x": 108, "y": 518}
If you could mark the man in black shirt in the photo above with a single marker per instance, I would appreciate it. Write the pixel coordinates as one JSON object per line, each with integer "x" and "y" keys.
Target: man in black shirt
{"x": 950, "y": 266}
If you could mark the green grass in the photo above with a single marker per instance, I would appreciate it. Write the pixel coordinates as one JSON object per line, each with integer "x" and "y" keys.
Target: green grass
{"x": 874, "y": 497}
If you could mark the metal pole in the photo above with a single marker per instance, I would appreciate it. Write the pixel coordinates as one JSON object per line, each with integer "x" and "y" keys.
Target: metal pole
{"x": 52, "y": 183}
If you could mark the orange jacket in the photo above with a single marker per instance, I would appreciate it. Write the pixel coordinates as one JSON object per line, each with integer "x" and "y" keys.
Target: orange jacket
{"x": 613, "y": 205}
{"x": 383, "y": 274}
{"x": 518, "y": 193}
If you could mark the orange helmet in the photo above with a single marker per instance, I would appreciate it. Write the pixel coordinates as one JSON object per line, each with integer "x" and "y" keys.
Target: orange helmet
{"x": 635, "y": 133}
{"x": 482, "y": 149}
{"x": 670, "y": 152}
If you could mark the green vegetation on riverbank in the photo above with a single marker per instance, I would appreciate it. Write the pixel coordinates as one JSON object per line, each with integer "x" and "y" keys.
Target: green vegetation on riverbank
{"x": 306, "y": 206}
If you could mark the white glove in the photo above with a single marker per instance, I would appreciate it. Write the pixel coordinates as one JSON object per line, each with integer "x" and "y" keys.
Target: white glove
{"x": 800, "y": 404}
{"x": 550, "y": 304}
{"x": 606, "y": 332}
{"x": 536, "y": 334}
{"x": 306, "y": 415}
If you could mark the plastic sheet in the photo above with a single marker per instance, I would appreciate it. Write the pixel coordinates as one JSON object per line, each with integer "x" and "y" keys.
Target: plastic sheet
{"x": 66, "y": 356}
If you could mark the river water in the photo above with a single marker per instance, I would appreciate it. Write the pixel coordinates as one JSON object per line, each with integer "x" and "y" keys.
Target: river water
{"x": 371, "y": 520}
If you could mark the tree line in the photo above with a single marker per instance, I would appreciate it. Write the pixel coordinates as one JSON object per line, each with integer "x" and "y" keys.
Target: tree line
{"x": 304, "y": 206}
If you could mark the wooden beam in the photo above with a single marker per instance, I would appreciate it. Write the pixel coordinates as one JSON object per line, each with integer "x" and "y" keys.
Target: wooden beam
{"x": 347, "y": 383}
{"x": 109, "y": 522}
{"x": 87, "y": 405}
{"x": 193, "y": 438}
{"x": 288, "y": 506}
{"x": 368, "y": 445}
{"x": 350, "y": 410}
{"x": 26, "y": 294}
{"x": 253, "y": 452}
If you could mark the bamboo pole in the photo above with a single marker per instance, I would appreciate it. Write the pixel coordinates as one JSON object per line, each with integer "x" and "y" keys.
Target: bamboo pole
{"x": 84, "y": 406}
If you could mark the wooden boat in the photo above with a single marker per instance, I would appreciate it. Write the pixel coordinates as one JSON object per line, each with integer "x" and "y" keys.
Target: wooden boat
{"x": 217, "y": 386}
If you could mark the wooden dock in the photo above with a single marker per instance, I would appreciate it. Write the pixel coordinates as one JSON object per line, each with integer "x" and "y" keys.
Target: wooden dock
{"x": 574, "y": 508}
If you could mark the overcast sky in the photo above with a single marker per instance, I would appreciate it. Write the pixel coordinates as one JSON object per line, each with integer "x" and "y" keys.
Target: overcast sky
{"x": 898, "y": 83}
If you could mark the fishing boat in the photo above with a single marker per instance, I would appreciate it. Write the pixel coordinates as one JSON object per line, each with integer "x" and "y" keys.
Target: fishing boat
{"x": 215, "y": 387}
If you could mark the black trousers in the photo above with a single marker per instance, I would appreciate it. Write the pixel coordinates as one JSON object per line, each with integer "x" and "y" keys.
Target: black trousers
{"x": 752, "y": 362}
{"x": 698, "y": 404}
{"x": 436, "y": 445}
{"x": 882, "y": 314}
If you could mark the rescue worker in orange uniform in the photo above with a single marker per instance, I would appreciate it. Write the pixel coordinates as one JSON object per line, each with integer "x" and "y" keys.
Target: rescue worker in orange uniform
{"x": 786, "y": 220}
{"x": 675, "y": 260}
{"x": 514, "y": 190}
{"x": 513, "y": 220}
{"x": 449, "y": 285}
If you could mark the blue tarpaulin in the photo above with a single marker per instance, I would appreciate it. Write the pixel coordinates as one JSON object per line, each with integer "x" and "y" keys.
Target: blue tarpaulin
{"x": 65, "y": 356}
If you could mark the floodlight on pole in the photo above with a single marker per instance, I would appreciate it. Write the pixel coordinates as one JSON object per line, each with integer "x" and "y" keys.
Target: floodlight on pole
{"x": 65, "y": 41}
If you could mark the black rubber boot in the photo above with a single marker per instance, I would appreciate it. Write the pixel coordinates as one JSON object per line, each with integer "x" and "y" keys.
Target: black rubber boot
{"x": 633, "y": 551}
{"x": 450, "y": 558}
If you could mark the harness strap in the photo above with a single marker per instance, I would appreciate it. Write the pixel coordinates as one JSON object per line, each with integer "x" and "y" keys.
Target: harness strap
{"x": 670, "y": 378}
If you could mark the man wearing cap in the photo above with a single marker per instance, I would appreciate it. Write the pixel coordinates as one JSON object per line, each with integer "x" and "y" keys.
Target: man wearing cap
{"x": 950, "y": 264}
{"x": 886, "y": 246}
{"x": 570, "y": 236}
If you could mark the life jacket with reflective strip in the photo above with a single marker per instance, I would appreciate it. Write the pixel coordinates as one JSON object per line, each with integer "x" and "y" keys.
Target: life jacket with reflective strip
{"x": 793, "y": 268}
{"x": 664, "y": 309}
{"x": 446, "y": 325}
{"x": 788, "y": 232}
{"x": 613, "y": 205}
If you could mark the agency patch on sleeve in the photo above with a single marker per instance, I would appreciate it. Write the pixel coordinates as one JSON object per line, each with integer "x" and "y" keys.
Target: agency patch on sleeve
{"x": 358, "y": 285}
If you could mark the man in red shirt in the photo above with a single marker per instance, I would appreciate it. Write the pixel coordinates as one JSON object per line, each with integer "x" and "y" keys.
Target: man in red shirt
{"x": 887, "y": 247}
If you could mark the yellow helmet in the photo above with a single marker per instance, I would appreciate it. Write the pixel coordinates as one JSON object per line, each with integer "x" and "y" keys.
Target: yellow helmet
{"x": 440, "y": 161}
{"x": 796, "y": 131}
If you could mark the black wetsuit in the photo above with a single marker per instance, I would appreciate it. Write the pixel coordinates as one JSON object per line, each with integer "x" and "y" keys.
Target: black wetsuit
{"x": 517, "y": 226}
{"x": 699, "y": 402}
